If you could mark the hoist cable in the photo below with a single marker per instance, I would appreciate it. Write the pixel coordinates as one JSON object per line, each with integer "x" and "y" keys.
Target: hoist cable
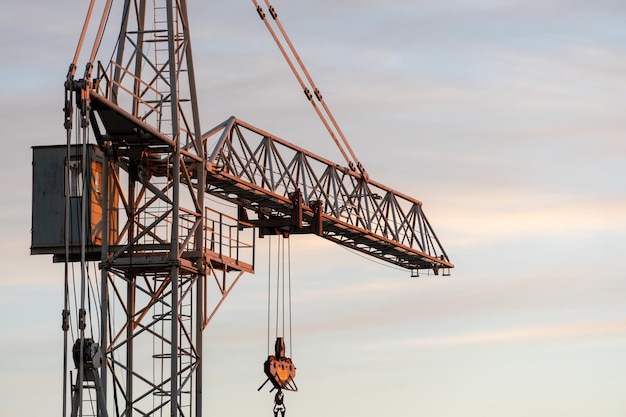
{"x": 76, "y": 214}
{"x": 269, "y": 293}
{"x": 289, "y": 277}
{"x": 69, "y": 104}
{"x": 277, "y": 284}
{"x": 89, "y": 302}
{"x": 94, "y": 290}
{"x": 65, "y": 325}
{"x": 74, "y": 286}
{"x": 111, "y": 326}
{"x": 82, "y": 240}
{"x": 282, "y": 307}
{"x": 283, "y": 284}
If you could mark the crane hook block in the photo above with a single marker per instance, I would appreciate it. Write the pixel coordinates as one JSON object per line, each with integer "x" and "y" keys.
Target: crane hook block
{"x": 279, "y": 369}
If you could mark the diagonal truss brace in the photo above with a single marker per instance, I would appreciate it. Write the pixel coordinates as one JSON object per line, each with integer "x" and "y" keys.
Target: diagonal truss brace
{"x": 280, "y": 182}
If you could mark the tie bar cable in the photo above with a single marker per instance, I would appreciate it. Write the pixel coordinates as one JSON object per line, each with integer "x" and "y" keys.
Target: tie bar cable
{"x": 353, "y": 163}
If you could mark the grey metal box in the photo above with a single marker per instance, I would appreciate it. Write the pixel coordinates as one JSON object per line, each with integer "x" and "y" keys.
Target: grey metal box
{"x": 48, "y": 201}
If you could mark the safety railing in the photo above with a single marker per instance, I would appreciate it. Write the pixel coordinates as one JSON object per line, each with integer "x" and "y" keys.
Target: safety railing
{"x": 229, "y": 237}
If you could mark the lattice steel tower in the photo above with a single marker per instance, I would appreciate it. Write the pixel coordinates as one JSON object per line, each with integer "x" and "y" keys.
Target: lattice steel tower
{"x": 132, "y": 183}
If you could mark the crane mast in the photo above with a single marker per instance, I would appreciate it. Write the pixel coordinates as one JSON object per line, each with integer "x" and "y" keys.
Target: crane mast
{"x": 167, "y": 259}
{"x": 154, "y": 271}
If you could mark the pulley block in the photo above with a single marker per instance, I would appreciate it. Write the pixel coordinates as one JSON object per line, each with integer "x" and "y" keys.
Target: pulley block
{"x": 279, "y": 369}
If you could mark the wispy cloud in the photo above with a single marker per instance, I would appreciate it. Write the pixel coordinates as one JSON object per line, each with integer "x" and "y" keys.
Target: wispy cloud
{"x": 557, "y": 332}
{"x": 484, "y": 217}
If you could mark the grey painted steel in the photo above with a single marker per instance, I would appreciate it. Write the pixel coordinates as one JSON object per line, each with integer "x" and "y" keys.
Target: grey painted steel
{"x": 48, "y": 201}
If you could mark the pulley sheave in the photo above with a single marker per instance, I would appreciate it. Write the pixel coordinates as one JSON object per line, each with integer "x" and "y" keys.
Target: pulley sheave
{"x": 279, "y": 369}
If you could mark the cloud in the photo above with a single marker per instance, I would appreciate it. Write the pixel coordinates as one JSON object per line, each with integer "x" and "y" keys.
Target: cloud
{"x": 573, "y": 330}
{"x": 484, "y": 217}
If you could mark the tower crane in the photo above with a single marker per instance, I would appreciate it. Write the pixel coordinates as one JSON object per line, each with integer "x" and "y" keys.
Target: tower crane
{"x": 131, "y": 190}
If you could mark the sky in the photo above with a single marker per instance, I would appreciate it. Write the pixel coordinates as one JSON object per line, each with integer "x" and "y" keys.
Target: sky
{"x": 506, "y": 118}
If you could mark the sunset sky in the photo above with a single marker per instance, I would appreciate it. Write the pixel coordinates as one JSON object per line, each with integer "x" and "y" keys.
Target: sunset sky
{"x": 506, "y": 118}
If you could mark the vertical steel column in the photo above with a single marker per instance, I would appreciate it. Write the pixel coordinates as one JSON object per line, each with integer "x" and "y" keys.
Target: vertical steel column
{"x": 200, "y": 189}
{"x": 141, "y": 23}
{"x": 130, "y": 303}
{"x": 104, "y": 293}
{"x": 130, "y": 350}
{"x": 174, "y": 250}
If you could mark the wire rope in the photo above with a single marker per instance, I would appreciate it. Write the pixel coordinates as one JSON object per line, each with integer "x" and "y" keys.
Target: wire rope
{"x": 75, "y": 214}
{"x": 74, "y": 286}
{"x": 281, "y": 288}
{"x": 283, "y": 285}
{"x": 66, "y": 317}
{"x": 289, "y": 278}
{"x": 94, "y": 289}
{"x": 89, "y": 302}
{"x": 72, "y": 217}
{"x": 82, "y": 136}
{"x": 277, "y": 283}
{"x": 283, "y": 352}
{"x": 269, "y": 293}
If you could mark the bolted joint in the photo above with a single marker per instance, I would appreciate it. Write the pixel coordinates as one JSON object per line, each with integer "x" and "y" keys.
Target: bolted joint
{"x": 261, "y": 13}
{"x": 273, "y": 12}
{"x": 65, "y": 324}
{"x": 81, "y": 319}
{"x": 67, "y": 111}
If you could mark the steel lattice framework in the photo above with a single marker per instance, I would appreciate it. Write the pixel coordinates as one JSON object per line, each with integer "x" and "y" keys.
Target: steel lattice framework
{"x": 271, "y": 177}
{"x": 170, "y": 251}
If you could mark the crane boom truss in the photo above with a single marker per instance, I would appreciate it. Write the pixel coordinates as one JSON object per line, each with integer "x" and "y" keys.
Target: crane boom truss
{"x": 261, "y": 173}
